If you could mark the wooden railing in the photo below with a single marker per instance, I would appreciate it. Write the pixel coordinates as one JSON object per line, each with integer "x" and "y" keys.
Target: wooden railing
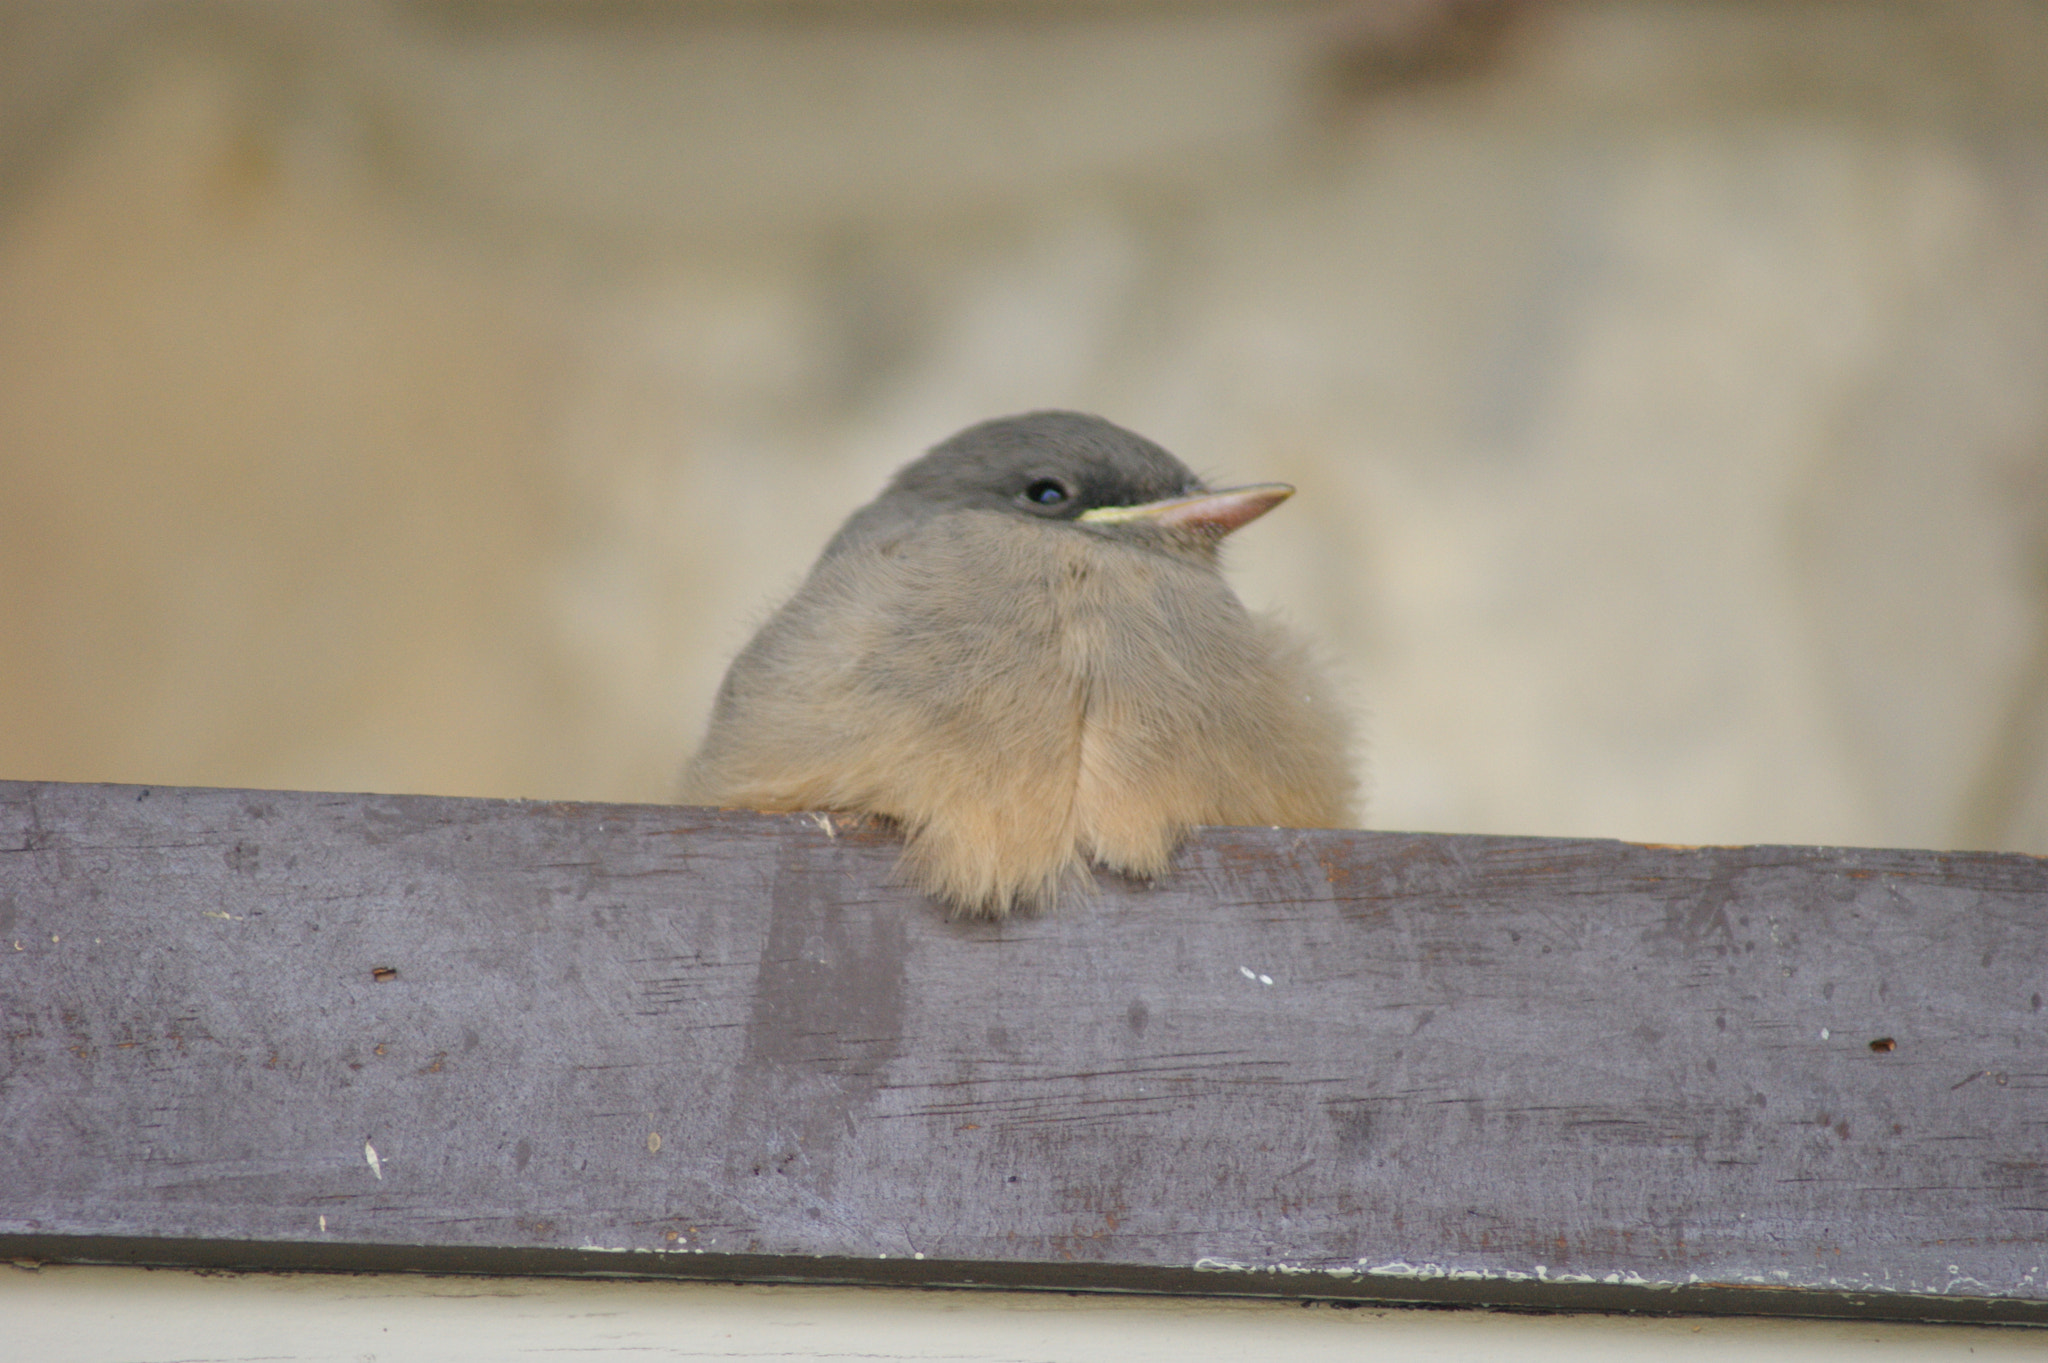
{"x": 266, "y": 1030}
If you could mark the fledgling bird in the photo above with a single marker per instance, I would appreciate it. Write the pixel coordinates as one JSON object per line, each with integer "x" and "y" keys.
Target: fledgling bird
{"x": 1024, "y": 654}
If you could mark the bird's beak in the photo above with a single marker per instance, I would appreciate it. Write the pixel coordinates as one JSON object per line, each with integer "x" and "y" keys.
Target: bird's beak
{"x": 1214, "y": 513}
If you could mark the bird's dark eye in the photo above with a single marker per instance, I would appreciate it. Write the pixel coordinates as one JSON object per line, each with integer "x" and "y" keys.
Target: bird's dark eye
{"x": 1047, "y": 492}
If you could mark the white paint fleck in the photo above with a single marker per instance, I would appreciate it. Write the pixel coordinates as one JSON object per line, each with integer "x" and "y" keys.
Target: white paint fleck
{"x": 1541, "y": 1273}
{"x": 1823, "y": 1034}
{"x": 1399, "y": 1269}
{"x": 1265, "y": 979}
{"x": 370, "y": 1157}
{"x": 1248, "y": 972}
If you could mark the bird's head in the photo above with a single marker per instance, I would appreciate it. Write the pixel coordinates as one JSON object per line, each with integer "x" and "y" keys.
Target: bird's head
{"x": 1066, "y": 468}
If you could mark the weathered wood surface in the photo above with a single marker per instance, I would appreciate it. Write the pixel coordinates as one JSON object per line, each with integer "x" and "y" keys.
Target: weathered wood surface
{"x": 635, "y": 1039}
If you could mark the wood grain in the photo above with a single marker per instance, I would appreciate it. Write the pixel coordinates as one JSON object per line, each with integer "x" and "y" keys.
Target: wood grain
{"x": 260, "y": 1029}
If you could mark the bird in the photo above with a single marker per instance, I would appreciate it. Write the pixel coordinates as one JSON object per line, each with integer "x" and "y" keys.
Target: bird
{"x": 1024, "y": 655}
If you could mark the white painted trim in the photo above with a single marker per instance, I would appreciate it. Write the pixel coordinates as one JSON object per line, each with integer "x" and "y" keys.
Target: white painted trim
{"x": 127, "y": 1315}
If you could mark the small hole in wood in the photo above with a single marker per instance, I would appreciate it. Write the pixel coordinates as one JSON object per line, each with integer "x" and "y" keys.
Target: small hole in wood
{"x": 1884, "y": 1043}
{"x": 384, "y": 974}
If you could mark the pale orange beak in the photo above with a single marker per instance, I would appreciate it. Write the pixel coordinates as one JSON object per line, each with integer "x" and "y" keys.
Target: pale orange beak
{"x": 1216, "y": 513}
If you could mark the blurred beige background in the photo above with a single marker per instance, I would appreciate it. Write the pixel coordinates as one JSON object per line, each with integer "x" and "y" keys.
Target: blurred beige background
{"x": 429, "y": 397}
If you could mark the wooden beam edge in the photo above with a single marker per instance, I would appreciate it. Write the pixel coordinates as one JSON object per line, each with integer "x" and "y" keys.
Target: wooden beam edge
{"x": 1393, "y": 1285}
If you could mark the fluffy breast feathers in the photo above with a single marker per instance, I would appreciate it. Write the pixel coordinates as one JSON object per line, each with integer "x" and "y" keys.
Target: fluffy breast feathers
{"x": 1022, "y": 702}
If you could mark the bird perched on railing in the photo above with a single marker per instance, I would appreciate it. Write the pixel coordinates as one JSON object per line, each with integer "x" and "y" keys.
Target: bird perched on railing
{"x": 1024, "y": 654}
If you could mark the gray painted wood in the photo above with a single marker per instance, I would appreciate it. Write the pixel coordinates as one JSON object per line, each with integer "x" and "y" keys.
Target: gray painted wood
{"x": 649, "y": 1040}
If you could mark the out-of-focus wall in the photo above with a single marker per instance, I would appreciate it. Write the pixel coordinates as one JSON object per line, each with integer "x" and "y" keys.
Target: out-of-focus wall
{"x": 429, "y": 397}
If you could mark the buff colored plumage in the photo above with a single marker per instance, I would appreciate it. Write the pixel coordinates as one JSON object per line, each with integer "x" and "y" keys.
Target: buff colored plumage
{"x": 1024, "y": 653}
